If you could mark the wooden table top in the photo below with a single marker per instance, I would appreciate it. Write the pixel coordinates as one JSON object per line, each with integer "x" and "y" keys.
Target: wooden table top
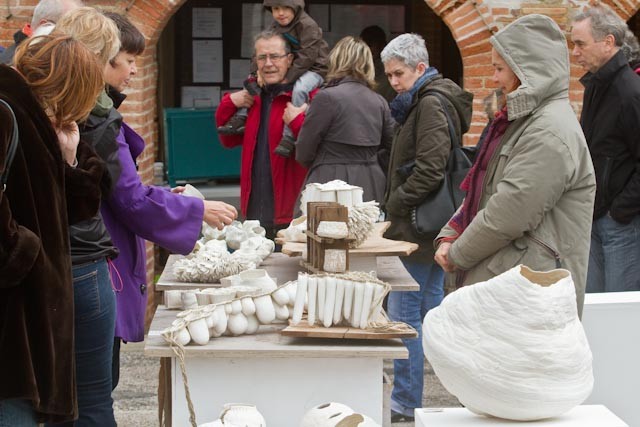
{"x": 285, "y": 268}
{"x": 268, "y": 342}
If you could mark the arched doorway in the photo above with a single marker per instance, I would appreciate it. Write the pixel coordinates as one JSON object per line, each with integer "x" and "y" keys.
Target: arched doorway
{"x": 238, "y": 19}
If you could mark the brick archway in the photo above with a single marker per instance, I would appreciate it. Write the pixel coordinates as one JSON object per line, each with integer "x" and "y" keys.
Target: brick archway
{"x": 471, "y": 24}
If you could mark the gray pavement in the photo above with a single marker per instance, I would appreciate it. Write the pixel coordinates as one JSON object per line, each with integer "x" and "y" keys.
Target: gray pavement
{"x": 135, "y": 399}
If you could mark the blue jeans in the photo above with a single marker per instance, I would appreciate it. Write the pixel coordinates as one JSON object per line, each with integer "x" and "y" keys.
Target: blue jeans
{"x": 17, "y": 413}
{"x": 411, "y": 307}
{"x": 614, "y": 258}
{"x": 306, "y": 83}
{"x": 95, "y": 317}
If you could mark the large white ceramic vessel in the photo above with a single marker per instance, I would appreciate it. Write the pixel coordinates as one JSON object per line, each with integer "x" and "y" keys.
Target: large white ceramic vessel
{"x": 512, "y": 347}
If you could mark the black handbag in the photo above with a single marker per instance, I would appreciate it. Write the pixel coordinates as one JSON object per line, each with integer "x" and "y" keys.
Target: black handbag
{"x": 438, "y": 207}
{"x": 13, "y": 146}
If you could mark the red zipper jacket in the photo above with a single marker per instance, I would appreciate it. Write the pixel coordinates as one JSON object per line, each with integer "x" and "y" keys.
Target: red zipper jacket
{"x": 287, "y": 175}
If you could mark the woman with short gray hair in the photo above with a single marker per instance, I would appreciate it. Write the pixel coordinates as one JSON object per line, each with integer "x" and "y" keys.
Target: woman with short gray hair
{"x": 421, "y": 107}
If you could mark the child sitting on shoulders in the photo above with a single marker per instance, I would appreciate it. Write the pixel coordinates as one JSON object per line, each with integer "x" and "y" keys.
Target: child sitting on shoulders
{"x": 307, "y": 71}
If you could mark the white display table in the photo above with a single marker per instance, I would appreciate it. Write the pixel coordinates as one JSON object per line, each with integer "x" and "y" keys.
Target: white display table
{"x": 612, "y": 324}
{"x": 282, "y": 376}
{"x": 582, "y": 416}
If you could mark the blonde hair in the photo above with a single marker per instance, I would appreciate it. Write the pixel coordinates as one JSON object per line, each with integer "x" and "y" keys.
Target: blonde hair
{"x": 351, "y": 57}
{"x": 63, "y": 74}
{"x": 91, "y": 27}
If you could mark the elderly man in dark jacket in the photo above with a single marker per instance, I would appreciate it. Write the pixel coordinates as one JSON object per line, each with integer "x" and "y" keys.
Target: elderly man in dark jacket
{"x": 611, "y": 123}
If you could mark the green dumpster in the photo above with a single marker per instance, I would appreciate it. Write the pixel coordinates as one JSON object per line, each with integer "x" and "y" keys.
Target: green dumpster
{"x": 193, "y": 150}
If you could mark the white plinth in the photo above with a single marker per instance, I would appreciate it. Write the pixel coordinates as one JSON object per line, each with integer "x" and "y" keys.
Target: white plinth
{"x": 582, "y": 416}
{"x": 612, "y": 324}
{"x": 282, "y": 389}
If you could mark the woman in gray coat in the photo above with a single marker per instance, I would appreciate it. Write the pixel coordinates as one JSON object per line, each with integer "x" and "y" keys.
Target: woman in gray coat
{"x": 531, "y": 191}
{"x": 347, "y": 131}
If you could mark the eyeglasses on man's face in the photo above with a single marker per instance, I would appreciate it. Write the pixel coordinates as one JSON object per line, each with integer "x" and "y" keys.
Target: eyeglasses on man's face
{"x": 271, "y": 57}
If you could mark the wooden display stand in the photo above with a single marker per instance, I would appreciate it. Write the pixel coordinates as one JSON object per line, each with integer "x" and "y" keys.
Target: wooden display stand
{"x": 317, "y": 245}
{"x": 367, "y": 256}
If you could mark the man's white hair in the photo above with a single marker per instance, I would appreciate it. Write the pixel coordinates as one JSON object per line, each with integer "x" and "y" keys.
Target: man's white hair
{"x": 52, "y": 10}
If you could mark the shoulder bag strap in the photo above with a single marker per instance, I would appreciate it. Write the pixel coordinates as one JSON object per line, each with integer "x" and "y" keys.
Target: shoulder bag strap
{"x": 452, "y": 132}
{"x": 13, "y": 146}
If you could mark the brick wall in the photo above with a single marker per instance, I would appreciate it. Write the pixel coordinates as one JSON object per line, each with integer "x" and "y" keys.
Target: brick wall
{"x": 471, "y": 23}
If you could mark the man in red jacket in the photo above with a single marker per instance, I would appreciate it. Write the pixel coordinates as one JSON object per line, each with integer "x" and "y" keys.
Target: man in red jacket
{"x": 269, "y": 184}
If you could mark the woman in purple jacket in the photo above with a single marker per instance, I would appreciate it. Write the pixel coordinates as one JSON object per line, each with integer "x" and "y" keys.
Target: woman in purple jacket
{"x": 135, "y": 211}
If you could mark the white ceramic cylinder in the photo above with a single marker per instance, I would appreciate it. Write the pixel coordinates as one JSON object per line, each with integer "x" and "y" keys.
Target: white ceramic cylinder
{"x": 348, "y": 299}
{"x": 202, "y": 298}
{"x": 280, "y": 296}
{"x": 172, "y": 299}
{"x": 328, "y": 196}
{"x": 312, "y": 284}
{"x": 221, "y": 326}
{"x": 282, "y": 311}
{"x": 189, "y": 300}
{"x": 366, "y": 305}
{"x": 322, "y": 292}
{"x": 236, "y": 306}
{"x": 252, "y": 325}
{"x": 356, "y": 195}
{"x": 265, "y": 311}
{"x": 238, "y": 324}
{"x": 358, "y": 297}
{"x": 337, "y": 308}
{"x": 301, "y": 292}
{"x": 198, "y": 328}
{"x": 330, "y": 301}
{"x": 248, "y": 307}
{"x": 344, "y": 197}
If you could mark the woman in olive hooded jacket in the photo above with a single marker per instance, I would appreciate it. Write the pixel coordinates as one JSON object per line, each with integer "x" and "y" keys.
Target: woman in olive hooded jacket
{"x": 534, "y": 204}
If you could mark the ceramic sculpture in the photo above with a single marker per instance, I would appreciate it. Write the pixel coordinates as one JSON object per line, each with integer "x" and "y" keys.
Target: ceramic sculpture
{"x": 512, "y": 347}
{"x": 362, "y": 217}
{"x": 335, "y": 415}
{"x": 238, "y": 415}
{"x": 211, "y": 260}
{"x": 234, "y": 311}
{"x": 332, "y": 191}
{"x": 351, "y": 299}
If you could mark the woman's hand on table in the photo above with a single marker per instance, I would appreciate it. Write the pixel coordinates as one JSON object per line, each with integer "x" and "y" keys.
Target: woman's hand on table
{"x": 291, "y": 112}
{"x": 218, "y": 214}
{"x": 442, "y": 257}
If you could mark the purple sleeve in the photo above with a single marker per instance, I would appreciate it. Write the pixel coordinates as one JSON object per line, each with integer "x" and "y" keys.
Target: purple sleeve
{"x": 170, "y": 220}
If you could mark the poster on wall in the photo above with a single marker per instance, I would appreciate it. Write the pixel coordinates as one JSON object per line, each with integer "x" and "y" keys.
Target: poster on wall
{"x": 339, "y": 20}
{"x": 238, "y": 71}
{"x": 254, "y": 19}
{"x": 207, "y": 22}
{"x": 200, "y": 96}
{"x": 207, "y": 61}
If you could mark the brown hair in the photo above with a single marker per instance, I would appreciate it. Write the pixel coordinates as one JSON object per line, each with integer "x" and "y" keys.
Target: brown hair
{"x": 131, "y": 39}
{"x": 351, "y": 57}
{"x": 63, "y": 74}
{"x": 94, "y": 29}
